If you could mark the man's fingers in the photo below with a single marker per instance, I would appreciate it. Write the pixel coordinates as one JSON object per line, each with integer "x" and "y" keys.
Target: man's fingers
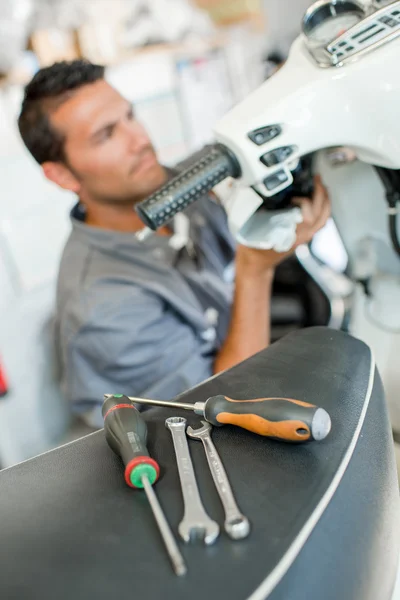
{"x": 320, "y": 196}
{"x": 317, "y": 179}
{"x": 313, "y": 209}
{"x": 323, "y": 217}
{"x": 312, "y": 213}
{"x": 307, "y": 210}
{"x": 312, "y": 222}
{"x": 315, "y": 212}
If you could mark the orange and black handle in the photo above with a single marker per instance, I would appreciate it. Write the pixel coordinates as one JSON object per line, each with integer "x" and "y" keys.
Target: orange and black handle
{"x": 278, "y": 418}
{"x": 126, "y": 434}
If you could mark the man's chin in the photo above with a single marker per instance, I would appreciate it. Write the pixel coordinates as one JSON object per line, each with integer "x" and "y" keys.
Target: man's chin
{"x": 136, "y": 190}
{"x": 154, "y": 178}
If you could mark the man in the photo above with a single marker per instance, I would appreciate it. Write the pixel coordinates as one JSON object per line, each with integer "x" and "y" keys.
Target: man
{"x": 146, "y": 319}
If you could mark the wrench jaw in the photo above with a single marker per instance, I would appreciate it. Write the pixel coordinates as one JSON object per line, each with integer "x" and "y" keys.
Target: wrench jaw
{"x": 203, "y": 431}
{"x": 238, "y": 527}
{"x": 206, "y": 533}
{"x": 190, "y": 534}
{"x": 212, "y": 533}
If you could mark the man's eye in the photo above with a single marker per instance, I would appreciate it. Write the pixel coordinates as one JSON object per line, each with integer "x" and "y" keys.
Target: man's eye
{"x": 106, "y": 134}
{"x": 130, "y": 115}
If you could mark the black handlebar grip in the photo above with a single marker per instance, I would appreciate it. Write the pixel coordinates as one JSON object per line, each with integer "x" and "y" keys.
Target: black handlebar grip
{"x": 188, "y": 186}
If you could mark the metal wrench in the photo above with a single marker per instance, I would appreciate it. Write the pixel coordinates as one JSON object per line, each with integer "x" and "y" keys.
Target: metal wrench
{"x": 236, "y": 525}
{"x": 195, "y": 523}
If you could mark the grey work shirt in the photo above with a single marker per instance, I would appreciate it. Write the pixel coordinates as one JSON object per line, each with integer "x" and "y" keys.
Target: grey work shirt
{"x": 142, "y": 319}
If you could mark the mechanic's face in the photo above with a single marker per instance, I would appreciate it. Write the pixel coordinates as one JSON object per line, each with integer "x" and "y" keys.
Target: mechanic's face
{"x": 108, "y": 152}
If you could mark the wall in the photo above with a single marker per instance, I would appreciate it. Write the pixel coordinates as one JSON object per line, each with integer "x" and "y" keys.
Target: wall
{"x": 284, "y": 21}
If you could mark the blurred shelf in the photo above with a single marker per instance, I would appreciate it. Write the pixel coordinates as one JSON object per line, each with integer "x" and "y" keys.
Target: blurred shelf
{"x": 189, "y": 49}
{"x": 192, "y": 48}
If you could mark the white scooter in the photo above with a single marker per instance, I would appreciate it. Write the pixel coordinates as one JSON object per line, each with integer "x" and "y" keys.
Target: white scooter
{"x": 337, "y": 99}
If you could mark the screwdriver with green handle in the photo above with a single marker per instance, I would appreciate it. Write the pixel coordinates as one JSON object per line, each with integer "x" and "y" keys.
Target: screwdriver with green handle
{"x": 126, "y": 434}
{"x": 283, "y": 419}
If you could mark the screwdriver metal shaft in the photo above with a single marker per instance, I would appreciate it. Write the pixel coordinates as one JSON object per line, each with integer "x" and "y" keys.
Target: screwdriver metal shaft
{"x": 156, "y": 402}
{"x": 173, "y": 551}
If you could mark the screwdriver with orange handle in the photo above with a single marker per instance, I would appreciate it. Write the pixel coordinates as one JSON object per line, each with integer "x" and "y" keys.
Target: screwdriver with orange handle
{"x": 282, "y": 419}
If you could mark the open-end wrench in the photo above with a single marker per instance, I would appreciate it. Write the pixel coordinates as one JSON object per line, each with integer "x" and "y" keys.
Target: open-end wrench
{"x": 195, "y": 523}
{"x": 237, "y": 526}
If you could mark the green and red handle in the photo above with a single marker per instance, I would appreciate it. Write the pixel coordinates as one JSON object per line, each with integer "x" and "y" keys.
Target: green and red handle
{"x": 126, "y": 434}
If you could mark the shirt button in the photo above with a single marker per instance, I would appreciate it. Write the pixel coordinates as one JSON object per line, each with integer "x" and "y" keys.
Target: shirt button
{"x": 209, "y": 335}
{"x": 211, "y": 316}
{"x": 199, "y": 220}
{"x": 229, "y": 273}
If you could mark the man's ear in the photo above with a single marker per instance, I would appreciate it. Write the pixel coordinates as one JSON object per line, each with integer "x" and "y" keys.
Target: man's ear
{"x": 61, "y": 175}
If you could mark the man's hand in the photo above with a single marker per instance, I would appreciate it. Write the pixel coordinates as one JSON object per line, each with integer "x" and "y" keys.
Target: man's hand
{"x": 249, "y": 330}
{"x": 315, "y": 211}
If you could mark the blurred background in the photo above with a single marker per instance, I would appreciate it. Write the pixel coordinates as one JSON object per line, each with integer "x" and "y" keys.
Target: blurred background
{"x": 183, "y": 63}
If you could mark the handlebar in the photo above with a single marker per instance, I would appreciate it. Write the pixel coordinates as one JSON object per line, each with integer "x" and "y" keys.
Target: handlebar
{"x": 187, "y": 187}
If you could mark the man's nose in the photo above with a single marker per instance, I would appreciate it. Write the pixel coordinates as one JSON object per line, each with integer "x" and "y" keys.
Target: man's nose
{"x": 138, "y": 138}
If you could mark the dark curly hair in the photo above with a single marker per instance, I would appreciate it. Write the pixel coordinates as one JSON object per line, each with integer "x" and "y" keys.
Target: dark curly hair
{"x": 49, "y": 88}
